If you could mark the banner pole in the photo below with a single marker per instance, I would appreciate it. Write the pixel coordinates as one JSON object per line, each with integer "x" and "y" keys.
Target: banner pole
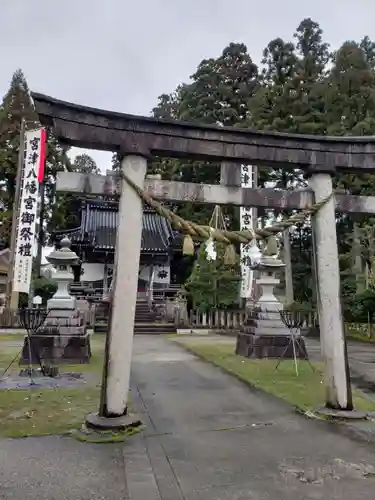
{"x": 15, "y": 215}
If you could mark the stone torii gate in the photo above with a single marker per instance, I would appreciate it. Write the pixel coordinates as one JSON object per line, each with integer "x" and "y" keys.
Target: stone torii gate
{"x": 138, "y": 139}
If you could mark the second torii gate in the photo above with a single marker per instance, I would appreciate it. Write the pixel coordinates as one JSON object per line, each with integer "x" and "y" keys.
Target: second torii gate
{"x": 138, "y": 139}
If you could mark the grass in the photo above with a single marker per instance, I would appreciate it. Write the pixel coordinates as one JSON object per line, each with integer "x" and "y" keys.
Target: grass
{"x": 360, "y": 332}
{"x": 305, "y": 392}
{"x": 360, "y": 337}
{"x": 36, "y": 412}
{"x": 17, "y": 337}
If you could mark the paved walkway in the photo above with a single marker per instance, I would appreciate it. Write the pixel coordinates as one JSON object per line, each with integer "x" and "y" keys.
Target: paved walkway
{"x": 208, "y": 437}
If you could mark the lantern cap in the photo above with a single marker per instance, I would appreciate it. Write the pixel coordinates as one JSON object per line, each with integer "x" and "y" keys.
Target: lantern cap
{"x": 63, "y": 255}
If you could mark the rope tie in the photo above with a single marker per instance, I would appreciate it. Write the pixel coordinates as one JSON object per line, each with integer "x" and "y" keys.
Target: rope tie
{"x": 201, "y": 232}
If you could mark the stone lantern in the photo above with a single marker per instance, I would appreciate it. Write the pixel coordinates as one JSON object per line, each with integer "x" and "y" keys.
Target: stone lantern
{"x": 63, "y": 337}
{"x": 264, "y": 334}
{"x": 63, "y": 260}
{"x": 268, "y": 267}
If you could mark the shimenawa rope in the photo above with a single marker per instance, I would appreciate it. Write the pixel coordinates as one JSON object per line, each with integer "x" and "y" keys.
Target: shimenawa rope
{"x": 204, "y": 232}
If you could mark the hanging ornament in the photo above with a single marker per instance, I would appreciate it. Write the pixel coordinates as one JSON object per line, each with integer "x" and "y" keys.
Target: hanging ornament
{"x": 272, "y": 247}
{"x": 188, "y": 245}
{"x": 210, "y": 247}
{"x": 255, "y": 255}
{"x": 230, "y": 256}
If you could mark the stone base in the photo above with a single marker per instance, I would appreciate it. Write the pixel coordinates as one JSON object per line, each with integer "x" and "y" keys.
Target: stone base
{"x": 57, "y": 349}
{"x": 94, "y": 421}
{"x": 342, "y": 414}
{"x": 269, "y": 346}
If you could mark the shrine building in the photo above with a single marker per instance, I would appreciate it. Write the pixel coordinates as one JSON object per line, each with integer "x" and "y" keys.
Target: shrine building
{"x": 94, "y": 241}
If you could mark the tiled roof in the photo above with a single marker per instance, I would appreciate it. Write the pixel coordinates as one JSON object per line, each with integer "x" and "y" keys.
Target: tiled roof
{"x": 99, "y": 226}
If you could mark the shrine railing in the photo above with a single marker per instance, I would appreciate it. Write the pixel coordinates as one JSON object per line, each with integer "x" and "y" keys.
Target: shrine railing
{"x": 218, "y": 319}
{"x": 161, "y": 294}
{"x": 230, "y": 319}
{"x": 86, "y": 291}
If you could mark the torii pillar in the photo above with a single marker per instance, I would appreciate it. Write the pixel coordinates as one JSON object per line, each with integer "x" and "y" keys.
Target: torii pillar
{"x": 113, "y": 412}
{"x": 326, "y": 261}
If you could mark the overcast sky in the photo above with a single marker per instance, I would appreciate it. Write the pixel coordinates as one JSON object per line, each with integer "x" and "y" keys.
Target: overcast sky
{"x": 122, "y": 54}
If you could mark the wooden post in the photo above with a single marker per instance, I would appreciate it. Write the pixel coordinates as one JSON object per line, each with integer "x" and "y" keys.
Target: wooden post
{"x": 289, "y": 293}
{"x": 150, "y": 289}
{"x": 12, "y": 297}
{"x": 41, "y": 229}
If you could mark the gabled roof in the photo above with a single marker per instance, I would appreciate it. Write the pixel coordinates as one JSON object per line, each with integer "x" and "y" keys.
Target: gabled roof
{"x": 98, "y": 228}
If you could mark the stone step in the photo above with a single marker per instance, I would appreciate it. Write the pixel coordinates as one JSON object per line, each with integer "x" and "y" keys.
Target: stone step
{"x": 143, "y": 328}
{"x": 144, "y": 313}
{"x": 279, "y": 330}
{"x": 153, "y": 329}
{"x": 102, "y": 328}
{"x": 262, "y": 323}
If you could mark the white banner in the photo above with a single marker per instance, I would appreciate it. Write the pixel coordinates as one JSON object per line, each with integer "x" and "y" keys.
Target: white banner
{"x": 26, "y": 238}
{"x": 246, "y": 221}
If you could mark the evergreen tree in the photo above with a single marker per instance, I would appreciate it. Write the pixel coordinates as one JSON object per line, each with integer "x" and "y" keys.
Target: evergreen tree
{"x": 115, "y": 162}
{"x": 313, "y": 55}
{"x": 85, "y": 164}
{"x": 16, "y": 105}
{"x": 219, "y": 93}
{"x": 67, "y": 207}
{"x": 56, "y": 160}
{"x": 302, "y": 88}
{"x": 350, "y": 110}
{"x": 221, "y": 88}
{"x": 168, "y": 105}
{"x": 271, "y": 106}
{"x": 213, "y": 284}
{"x": 368, "y": 47}
{"x": 350, "y": 96}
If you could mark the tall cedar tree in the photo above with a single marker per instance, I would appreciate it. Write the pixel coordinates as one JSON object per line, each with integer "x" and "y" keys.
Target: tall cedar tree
{"x": 302, "y": 88}
{"x": 290, "y": 100}
{"x": 219, "y": 93}
{"x": 16, "y": 105}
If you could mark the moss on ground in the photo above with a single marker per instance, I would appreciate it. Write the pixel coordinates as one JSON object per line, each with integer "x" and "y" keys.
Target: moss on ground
{"x": 36, "y": 412}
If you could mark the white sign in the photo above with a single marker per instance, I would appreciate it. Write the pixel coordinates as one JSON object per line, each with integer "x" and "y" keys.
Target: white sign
{"x": 246, "y": 222}
{"x": 26, "y": 240}
{"x": 37, "y": 300}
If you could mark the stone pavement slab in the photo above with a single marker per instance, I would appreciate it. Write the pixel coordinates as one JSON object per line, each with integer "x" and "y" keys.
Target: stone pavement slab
{"x": 211, "y": 437}
{"x": 60, "y": 468}
{"x": 208, "y": 437}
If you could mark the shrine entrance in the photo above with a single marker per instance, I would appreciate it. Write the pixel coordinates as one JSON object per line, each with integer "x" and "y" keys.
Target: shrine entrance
{"x": 137, "y": 139}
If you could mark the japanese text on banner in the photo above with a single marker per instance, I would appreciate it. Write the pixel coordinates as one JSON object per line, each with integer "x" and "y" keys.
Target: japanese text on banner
{"x": 26, "y": 240}
{"x": 246, "y": 222}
